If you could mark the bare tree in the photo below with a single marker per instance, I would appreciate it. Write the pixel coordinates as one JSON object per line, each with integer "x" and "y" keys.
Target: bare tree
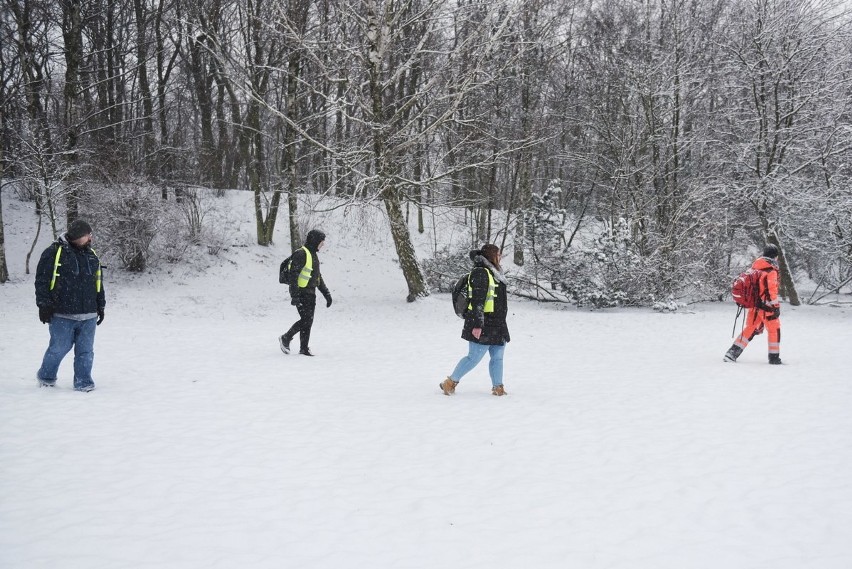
{"x": 783, "y": 54}
{"x": 413, "y": 94}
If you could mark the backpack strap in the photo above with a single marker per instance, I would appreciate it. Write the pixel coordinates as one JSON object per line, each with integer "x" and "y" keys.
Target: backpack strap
{"x": 56, "y": 265}
{"x": 737, "y": 317}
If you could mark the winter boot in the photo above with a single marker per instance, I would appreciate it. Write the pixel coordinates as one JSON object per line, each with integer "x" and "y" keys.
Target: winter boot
{"x": 448, "y": 386}
{"x": 498, "y": 391}
{"x": 284, "y": 343}
{"x": 732, "y": 354}
{"x": 775, "y": 359}
{"x": 305, "y": 352}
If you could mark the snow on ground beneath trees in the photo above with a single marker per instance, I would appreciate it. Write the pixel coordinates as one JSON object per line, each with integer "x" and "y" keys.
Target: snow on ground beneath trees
{"x": 624, "y": 442}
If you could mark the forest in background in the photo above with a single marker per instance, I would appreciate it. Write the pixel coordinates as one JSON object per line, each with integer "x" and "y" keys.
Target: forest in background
{"x": 673, "y": 136}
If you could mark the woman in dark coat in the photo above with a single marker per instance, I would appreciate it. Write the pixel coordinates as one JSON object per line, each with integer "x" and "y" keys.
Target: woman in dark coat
{"x": 485, "y": 326}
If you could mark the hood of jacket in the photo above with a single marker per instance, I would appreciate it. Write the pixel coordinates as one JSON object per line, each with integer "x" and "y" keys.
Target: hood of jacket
{"x": 479, "y": 260}
{"x": 765, "y": 263}
{"x": 314, "y": 238}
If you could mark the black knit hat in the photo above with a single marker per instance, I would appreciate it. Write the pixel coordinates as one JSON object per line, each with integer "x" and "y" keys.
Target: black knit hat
{"x": 78, "y": 229}
{"x": 770, "y": 251}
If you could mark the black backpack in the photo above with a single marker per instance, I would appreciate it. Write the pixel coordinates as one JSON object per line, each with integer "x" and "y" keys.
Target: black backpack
{"x": 285, "y": 275}
{"x": 459, "y": 295}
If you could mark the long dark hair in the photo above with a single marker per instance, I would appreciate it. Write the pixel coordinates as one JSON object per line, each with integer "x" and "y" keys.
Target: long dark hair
{"x": 491, "y": 252}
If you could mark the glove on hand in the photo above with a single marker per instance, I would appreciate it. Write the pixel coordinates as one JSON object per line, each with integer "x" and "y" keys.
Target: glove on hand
{"x": 295, "y": 301}
{"x": 100, "y": 316}
{"x": 776, "y": 312}
{"x": 45, "y": 313}
{"x": 328, "y": 300}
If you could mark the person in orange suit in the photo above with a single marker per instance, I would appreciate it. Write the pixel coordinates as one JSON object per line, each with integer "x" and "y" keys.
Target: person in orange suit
{"x": 766, "y": 315}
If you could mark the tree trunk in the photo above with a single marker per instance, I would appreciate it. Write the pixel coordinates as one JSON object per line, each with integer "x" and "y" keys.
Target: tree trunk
{"x": 4, "y": 269}
{"x": 254, "y": 159}
{"x": 149, "y": 168}
{"x": 293, "y": 209}
{"x": 224, "y": 159}
{"x": 165, "y": 161}
{"x": 404, "y": 248}
{"x": 113, "y": 107}
{"x": 202, "y": 85}
{"x": 72, "y": 35}
{"x": 266, "y": 227}
{"x": 525, "y": 191}
{"x": 298, "y": 18}
{"x": 290, "y": 151}
{"x": 786, "y": 285}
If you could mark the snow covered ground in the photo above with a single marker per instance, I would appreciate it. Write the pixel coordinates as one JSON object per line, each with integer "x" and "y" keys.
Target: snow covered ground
{"x": 625, "y": 442}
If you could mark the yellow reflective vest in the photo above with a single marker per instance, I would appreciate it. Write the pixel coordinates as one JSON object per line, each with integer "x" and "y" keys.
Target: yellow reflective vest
{"x": 489, "y": 295}
{"x": 307, "y": 270}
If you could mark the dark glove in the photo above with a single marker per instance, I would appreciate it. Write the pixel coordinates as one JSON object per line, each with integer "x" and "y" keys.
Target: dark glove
{"x": 776, "y": 312}
{"x": 100, "y": 316}
{"x": 296, "y": 301}
{"x": 327, "y": 299}
{"x": 45, "y": 313}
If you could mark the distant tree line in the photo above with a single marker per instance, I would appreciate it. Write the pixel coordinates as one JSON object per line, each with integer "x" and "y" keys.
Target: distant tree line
{"x": 681, "y": 131}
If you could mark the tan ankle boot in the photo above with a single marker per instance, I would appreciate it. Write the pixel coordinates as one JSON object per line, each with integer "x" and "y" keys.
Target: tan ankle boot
{"x": 448, "y": 386}
{"x": 498, "y": 391}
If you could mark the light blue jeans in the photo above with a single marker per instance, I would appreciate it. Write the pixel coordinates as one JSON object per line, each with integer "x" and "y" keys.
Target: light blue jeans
{"x": 474, "y": 355}
{"x": 65, "y": 333}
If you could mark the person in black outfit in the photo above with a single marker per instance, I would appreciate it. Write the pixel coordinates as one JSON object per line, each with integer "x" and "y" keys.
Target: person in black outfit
{"x": 485, "y": 326}
{"x": 305, "y": 265}
{"x": 71, "y": 300}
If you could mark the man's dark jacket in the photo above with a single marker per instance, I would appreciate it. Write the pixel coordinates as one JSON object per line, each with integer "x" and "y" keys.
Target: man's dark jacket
{"x": 75, "y": 291}
{"x": 297, "y": 263}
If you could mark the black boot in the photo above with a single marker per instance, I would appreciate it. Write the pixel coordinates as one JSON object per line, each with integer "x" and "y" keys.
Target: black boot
{"x": 732, "y": 354}
{"x": 775, "y": 359}
{"x": 284, "y": 343}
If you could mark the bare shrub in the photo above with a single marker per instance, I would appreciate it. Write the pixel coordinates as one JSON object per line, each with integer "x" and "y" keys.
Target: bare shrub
{"x": 127, "y": 217}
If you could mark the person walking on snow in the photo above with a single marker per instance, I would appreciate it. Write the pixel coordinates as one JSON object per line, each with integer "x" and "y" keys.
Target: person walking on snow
{"x": 303, "y": 291}
{"x": 767, "y": 312}
{"x": 485, "y": 326}
{"x": 70, "y": 298}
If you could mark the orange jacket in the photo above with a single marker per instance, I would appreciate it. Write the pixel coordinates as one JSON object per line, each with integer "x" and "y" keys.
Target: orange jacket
{"x": 768, "y": 280}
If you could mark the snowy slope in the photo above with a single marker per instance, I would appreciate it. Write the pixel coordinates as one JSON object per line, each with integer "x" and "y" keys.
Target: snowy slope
{"x": 624, "y": 441}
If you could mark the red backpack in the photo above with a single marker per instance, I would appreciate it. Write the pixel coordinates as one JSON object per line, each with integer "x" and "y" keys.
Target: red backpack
{"x": 746, "y": 289}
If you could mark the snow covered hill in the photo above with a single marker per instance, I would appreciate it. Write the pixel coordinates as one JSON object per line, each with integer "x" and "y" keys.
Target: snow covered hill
{"x": 625, "y": 442}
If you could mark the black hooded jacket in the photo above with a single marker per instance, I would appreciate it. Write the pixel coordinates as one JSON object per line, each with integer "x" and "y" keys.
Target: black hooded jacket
{"x": 297, "y": 262}
{"x": 75, "y": 291}
{"x": 495, "y": 331}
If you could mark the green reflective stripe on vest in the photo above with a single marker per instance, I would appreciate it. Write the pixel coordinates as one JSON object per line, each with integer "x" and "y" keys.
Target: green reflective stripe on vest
{"x": 489, "y": 296}
{"x": 56, "y": 265}
{"x": 98, "y": 274}
{"x": 307, "y": 270}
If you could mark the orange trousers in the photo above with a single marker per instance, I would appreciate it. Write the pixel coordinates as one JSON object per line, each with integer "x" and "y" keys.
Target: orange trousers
{"x": 756, "y": 321}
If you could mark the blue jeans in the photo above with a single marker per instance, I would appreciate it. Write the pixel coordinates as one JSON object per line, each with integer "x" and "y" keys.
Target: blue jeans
{"x": 64, "y": 334}
{"x": 474, "y": 354}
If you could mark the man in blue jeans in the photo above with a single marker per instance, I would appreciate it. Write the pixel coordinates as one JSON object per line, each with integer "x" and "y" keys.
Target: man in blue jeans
{"x": 70, "y": 298}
